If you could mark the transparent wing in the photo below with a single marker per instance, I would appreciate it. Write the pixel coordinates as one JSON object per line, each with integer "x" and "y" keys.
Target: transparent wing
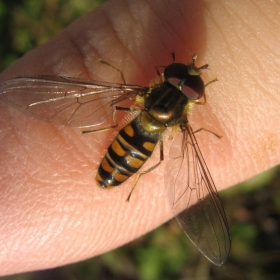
{"x": 194, "y": 199}
{"x": 66, "y": 101}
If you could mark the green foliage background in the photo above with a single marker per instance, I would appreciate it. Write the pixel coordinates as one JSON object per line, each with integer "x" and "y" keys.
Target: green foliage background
{"x": 253, "y": 207}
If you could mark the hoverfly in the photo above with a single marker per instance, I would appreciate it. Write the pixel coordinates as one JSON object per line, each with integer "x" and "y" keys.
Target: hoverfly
{"x": 89, "y": 104}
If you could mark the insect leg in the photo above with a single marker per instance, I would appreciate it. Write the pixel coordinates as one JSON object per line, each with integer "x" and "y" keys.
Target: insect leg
{"x": 156, "y": 67}
{"x": 121, "y": 73}
{"x": 198, "y": 102}
{"x": 194, "y": 58}
{"x": 117, "y": 108}
{"x": 212, "y": 81}
{"x": 148, "y": 170}
{"x": 215, "y": 134}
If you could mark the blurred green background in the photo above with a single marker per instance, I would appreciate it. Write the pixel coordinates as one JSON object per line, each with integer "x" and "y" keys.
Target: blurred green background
{"x": 253, "y": 207}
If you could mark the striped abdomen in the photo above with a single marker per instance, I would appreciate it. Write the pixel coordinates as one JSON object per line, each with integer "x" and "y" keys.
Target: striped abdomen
{"x": 127, "y": 153}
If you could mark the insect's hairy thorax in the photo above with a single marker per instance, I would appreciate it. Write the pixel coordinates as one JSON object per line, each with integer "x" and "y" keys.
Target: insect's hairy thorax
{"x": 166, "y": 104}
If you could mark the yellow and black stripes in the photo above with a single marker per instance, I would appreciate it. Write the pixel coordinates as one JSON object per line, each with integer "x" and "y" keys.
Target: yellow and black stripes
{"x": 127, "y": 153}
{"x": 164, "y": 106}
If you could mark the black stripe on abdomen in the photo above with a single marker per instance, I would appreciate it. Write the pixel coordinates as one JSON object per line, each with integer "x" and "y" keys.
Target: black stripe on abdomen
{"x": 126, "y": 155}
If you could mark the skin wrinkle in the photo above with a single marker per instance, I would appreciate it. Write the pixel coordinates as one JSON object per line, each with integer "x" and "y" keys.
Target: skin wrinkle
{"x": 247, "y": 21}
{"x": 18, "y": 171}
{"x": 270, "y": 18}
{"x": 128, "y": 52}
{"x": 155, "y": 14}
{"x": 244, "y": 22}
{"x": 56, "y": 56}
{"x": 37, "y": 162}
{"x": 144, "y": 30}
{"x": 169, "y": 30}
{"x": 44, "y": 67}
{"x": 112, "y": 25}
{"x": 174, "y": 33}
{"x": 222, "y": 33}
{"x": 131, "y": 15}
{"x": 142, "y": 68}
{"x": 166, "y": 25}
{"x": 95, "y": 53}
{"x": 65, "y": 137}
{"x": 74, "y": 42}
{"x": 138, "y": 65}
{"x": 92, "y": 44}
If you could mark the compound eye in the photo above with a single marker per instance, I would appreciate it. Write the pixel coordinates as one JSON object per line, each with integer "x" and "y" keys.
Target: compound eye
{"x": 185, "y": 78}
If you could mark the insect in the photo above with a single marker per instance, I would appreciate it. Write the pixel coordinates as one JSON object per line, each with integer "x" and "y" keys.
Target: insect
{"x": 92, "y": 105}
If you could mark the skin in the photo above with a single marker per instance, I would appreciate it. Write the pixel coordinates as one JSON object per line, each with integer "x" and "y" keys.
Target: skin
{"x": 52, "y": 212}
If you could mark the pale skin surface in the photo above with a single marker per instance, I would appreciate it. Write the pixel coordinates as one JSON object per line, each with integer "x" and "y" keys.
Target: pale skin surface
{"x": 52, "y": 212}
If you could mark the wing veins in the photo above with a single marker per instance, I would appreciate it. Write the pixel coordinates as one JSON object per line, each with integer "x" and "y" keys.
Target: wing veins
{"x": 49, "y": 98}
